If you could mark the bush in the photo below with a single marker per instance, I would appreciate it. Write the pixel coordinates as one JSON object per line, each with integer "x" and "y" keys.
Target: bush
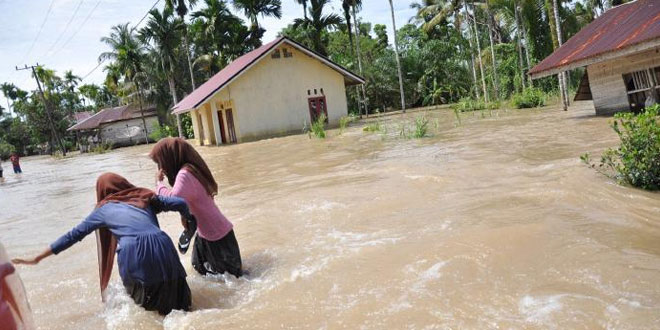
{"x": 637, "y": 160}
{"x": 421, "y": 127}
{"x": 160, "y": 132}
{"x": 5, "y": 150}
{"x": 102, "y": 148}
{"x": 530, "y": 98}
{"x": 344, "y": 121}
{"x": 318, "y": 127}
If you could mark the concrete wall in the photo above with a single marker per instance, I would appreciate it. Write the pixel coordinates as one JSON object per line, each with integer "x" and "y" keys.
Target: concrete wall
{"x": 270, "y": 98}
{"x": 606, "y": 80}
{"x": 127, "y": 132}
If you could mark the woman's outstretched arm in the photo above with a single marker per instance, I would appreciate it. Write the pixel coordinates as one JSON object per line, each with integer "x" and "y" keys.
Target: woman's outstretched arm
{"x": 35, "y": 260}
{"x": 91, "y": 223}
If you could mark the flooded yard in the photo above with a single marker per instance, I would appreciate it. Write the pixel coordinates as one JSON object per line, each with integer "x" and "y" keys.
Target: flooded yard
{"x": 491, "y": 223}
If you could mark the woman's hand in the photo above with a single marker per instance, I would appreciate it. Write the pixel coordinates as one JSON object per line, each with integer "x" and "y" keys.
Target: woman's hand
{"x": 33, "y": 261}
{"x": 19, "y": 261}
{"x": 160, "y": 175}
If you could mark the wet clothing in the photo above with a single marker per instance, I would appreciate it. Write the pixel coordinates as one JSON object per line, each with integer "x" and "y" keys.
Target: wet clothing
{"x": 162, "y": 297}
{"x": 146, "y": 256}
{"x": 15, "y": 163}
{"x": 211, "y": 223}
{"x": 217, "y": 257}
{"x": 215, "y": 245}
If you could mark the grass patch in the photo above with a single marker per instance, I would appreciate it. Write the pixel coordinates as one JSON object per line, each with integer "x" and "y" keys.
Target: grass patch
{"x": 318, "y": 127}
{"x": 469, "y": 104}
{"x": 374, "y": 126}
{"x": 421, "y": 127}
{"x": 102, "y": 148}
{"x": 344, "y": 121}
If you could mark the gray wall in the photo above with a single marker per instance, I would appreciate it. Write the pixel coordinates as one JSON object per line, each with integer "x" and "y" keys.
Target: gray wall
{"x": 606, "y": 80}
{"x": 127, "y": 132}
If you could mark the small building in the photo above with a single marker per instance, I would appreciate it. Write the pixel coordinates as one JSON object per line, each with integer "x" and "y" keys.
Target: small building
{"x": 118, "y": 126}
{"x": 276, "y": 89}
{"x": 621, "y": 53}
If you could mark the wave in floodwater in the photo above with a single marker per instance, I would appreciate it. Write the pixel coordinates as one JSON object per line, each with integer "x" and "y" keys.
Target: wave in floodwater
{"x": 493, "y": 223}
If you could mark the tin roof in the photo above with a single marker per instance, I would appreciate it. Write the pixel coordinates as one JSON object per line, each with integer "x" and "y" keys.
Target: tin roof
{"x": 239, "y": 65}
{"x": 618, "y": 29}
{"x": 80, "y": 116}
{"x": 109, "y": 115}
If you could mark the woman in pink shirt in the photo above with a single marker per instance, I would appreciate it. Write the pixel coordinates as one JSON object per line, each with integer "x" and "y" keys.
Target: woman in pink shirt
{"x": 215, "y": 250}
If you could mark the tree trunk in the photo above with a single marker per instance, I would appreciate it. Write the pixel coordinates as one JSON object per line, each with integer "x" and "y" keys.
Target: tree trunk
{"x": 398, "y": 61}
{"x": 489, "y": 19}
{"x": 551, "y": 6}
{"x": 555, "y": 8}
{"x": 481, "y": 65}
{"x": 520, "y": 53}
{"x": 474, "y": 70}
{"x": 190, "y": 68}
{"x": 144, "y": 121}
{"x": 357, "y": 47}
{"x": 175, "y": 99}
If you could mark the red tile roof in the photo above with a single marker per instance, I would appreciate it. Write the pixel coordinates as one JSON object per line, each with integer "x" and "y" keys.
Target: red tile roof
{"x": 110, "y": 115}
{"x": 617, "y": 29}
{"x": 235, "y": 68}
{"x": 80, "y": 116}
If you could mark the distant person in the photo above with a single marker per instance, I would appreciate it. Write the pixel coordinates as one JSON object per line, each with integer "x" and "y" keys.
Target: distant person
{"x": 215, "y": 250}
{"x": 1, "y": 178}
{"x": 15, "y": 162}
{"x": 149, "y": 265}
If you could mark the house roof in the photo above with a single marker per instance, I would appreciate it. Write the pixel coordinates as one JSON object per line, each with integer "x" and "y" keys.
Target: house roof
{"x": 621, "y": 31}
{"x": 109, "y": 115}
{"x": 80, "y": 116}
{"x": 241, "y": 64}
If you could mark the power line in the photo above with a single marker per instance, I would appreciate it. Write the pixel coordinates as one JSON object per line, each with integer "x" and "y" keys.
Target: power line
{"x": 79, "y": 28}
{"x": 132, "y": 29}
{"x": 50, "y": 7}
{"x": 75, "y": 12}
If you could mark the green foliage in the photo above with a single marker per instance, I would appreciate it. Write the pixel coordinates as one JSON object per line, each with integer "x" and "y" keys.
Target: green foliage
{"x": 344, "y": 121}
{"x": 162, "y": 131}
{"x": 530, "y": 98}
{"x": 372, "y": 127}
{"x": 5, "y": 150}
{"x": 102, "y": 148}
{"x": 318, "y": 127}
{"x": 468, "y": 104}
{"x": 637, "y": 159}
{"x": 421, "y": 127}
{"x": 186, "y": 126}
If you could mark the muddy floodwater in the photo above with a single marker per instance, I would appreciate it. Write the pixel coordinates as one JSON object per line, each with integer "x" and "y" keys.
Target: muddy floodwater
{"x": 493, "y": 223}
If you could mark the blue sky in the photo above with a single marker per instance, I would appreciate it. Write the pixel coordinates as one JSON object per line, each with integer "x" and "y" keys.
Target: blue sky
{"x": 64, "y": 41}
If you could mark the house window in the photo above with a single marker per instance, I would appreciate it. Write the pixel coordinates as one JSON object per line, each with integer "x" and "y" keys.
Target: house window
{"x": 642, "y": 86}
{"x": 286, "y": 52}
{"x": 275, "y": 54}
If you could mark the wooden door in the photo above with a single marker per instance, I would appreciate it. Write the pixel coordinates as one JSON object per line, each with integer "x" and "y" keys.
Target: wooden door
{"x": 230, "y": 126}
{"x": 317, "y": 106}
{"x": 221, "y": 124}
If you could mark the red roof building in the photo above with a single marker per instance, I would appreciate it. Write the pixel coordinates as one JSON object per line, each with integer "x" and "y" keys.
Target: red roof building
{"x": 620, "y": 50}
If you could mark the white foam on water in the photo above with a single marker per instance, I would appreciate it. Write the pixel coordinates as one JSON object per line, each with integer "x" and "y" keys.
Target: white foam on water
{"x": 433, "y": 272}
{"x": 319, "y": 205}
{"x": 538, "y": 309}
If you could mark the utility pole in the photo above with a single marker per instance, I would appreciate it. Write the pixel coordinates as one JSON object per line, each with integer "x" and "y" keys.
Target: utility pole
{"x": 56, "y": 137}
{"x": 398, "y": 62}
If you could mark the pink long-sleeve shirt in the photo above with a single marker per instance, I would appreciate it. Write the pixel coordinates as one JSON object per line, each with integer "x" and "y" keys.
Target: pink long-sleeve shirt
{"x": 212, "y": 225}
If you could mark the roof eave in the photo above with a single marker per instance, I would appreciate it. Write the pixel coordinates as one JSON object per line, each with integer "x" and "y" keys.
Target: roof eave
{"x": 640, "y": 47}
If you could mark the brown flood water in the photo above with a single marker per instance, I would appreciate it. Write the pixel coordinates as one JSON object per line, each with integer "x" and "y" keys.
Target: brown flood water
{"x": 491, "y": 224}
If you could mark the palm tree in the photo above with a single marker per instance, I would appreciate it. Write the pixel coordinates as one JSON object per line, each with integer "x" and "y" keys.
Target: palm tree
{"x": 182, "y": 8}
{"x": 355, "y": 5}
{"x": 9, "y": 90}
{"x": 304, "y": 4}
{"x": 253, "y": 8}
{"x": 126, "y": 51}
{"x": 71, "y": 80}
{"x": 164, "y": 30}
{"x": 317, "y": 23}
{"x": 552, "y": 8}
{"x": 398, "y": 62}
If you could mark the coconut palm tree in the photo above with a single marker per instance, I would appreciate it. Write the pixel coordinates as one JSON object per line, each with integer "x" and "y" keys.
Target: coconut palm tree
{"x": 252, "y": 9}
{"x": 9, "y": 90}
{"x": 317, "y": 22}
{"x": 398, "y": 61}
{"x": 304, "y": 5}
{"x": 164, "y": 30}
{"x": 182, "y": 8}
{"x": 126, "y": 51}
